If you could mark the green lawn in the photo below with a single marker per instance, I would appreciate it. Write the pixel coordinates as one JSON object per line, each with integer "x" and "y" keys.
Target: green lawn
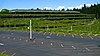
{"x": 4, "y": 55}
{"x": 76, "y": 26}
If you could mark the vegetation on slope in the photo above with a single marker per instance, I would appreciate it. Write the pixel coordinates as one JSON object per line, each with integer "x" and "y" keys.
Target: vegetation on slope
{"x": 74, "y": 26}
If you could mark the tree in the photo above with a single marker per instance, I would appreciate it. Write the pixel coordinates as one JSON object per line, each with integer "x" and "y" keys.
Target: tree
{"x": 84, "y": 9}
{"x": 69, "y": 10}
{"x": 37, "y": 9}
{"x": 98, "y": 10}
{"x": 74, "y": 9}
{"x": 93, "y": 9}
{"x": 63, "y": 9}
{"x": 5, "y": 11}
{"x": 45, "y": 9}
{"x": 32, "y": 9}
{"x": 84, "y": 6}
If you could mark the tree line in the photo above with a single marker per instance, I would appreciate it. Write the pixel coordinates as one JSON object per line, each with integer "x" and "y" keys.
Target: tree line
{"x": 93, "y": 9}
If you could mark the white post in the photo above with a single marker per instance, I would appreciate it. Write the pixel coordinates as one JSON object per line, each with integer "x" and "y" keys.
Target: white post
{"x": 47, "y": 27}
{"x": 30, "y": 30}
{"x": 95, "y": 18}
{"x": 71, "y": 28}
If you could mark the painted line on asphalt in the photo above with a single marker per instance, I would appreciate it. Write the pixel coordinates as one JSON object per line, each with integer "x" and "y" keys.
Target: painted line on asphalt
{"x": 62, "y": 45}
{"x": 51, "y": 44}
{"x": 38, "y": 33}
{"x": 13, "y": 54}
{"x": 50, "y": 33}
{"x": 34, "y": 41}
{"x": 91, "y": 37}
{"x": 42, "y": 43}
{"x": 26, "y": 40}
{"x": 87, "y": 49}
{"x": 20, "y": 39}
{"x": 57, "y": 34}
{"x": 73, "y": 47}
{"x": 64, "y": 35}
{"x": 81, "y": 36}
{"x": 72, "y": 35}
{"x": 3, "y": 51}
{"x": 8, "y": 37}
{"x": 3, "y": 37}
{"x": 14, "y": 38}
{"x": 11, "y": 33}
{"x": 44, "y": 33}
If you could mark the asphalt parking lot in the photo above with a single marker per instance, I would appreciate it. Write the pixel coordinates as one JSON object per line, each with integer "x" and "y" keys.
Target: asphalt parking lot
{"x": 17, "y": 43}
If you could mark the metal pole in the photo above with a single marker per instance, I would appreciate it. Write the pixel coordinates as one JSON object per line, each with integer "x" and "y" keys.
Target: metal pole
{"x": 30, "y": 30}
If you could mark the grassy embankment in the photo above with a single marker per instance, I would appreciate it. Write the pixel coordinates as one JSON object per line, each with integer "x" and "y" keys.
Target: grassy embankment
{"x": 64, "y": 26}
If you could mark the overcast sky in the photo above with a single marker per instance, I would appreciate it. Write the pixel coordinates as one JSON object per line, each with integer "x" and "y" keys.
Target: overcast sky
{"x": 48, "y": 4}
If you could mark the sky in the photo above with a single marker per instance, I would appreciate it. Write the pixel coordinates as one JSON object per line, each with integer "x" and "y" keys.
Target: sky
{"x": 42, "y": 4}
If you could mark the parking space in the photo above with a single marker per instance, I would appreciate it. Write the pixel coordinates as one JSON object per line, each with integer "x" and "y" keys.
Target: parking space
{"x": 18, "y": 43}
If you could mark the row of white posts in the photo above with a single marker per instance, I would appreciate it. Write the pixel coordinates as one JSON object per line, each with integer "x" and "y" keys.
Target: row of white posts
{"x": 71, "y": 28}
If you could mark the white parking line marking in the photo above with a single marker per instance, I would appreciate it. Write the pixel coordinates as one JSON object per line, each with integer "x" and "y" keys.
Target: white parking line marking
{"x": 72, "y": 35}
{"x": 41, "y": 42}
{"x": 14, "y": 38}
{"x": 3, "y": 51}
{"x": 91, "y": 37}
{"x": 44, "y": 33}
{"x": 38, "y": 33}
{"x": 81, "y": 36}
{"x": 87, "y": 49}
{"x": 57, "y": 34}
{"x": 20, "y": 39}
{"x": 8, "y": 37}
{"x": 11, "y": 33}
{"x": 62, "y": 45}
{"x": 13, "y": 54}
{"x": 3, "y": 37}
{"x": 34, "y": 41}
{"x": 26, "y": 40}
{"x": 73, "y": 47}
{"x": 50, "y": 33}
{"x": 64, "y": 35}
{"x": 51, "y": 43}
